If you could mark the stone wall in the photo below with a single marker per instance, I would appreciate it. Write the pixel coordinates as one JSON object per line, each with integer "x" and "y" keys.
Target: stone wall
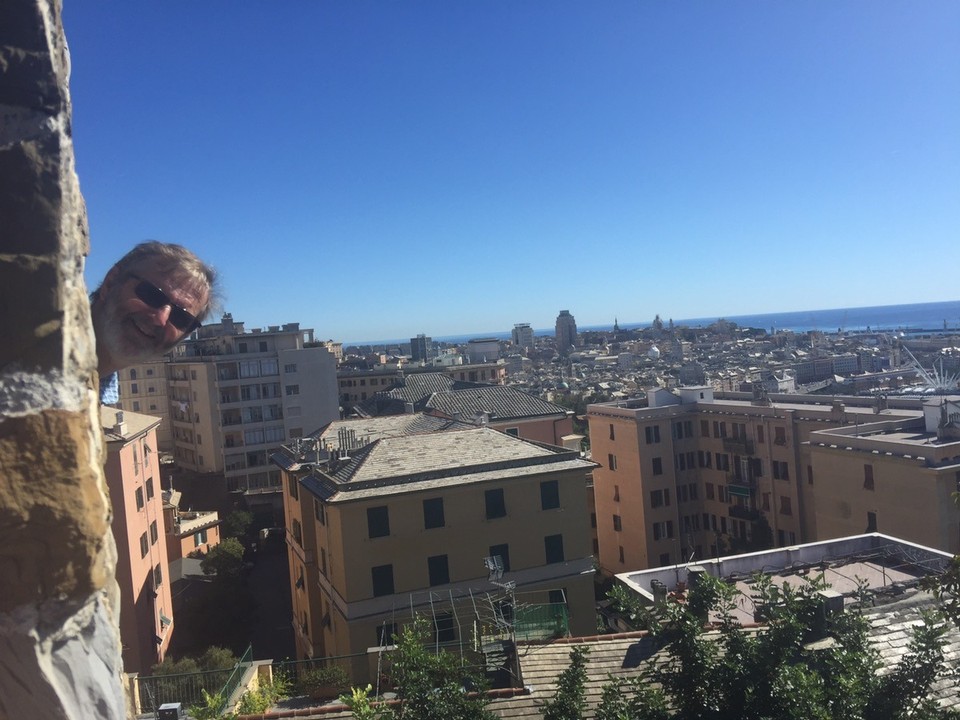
{"x": 59, "y": 644}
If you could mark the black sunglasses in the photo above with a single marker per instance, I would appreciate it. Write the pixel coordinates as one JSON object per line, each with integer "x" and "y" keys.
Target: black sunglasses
{"x": 157, "y": 298}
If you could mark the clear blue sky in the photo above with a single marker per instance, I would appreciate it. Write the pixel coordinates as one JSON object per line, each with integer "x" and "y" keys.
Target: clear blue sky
{"x": 379, "y": 169}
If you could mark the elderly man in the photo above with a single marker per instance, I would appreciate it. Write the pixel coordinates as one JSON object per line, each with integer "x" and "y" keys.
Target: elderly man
{"x": 154, "y": 296}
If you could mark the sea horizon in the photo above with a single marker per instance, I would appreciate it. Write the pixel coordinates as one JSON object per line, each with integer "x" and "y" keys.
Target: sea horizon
{"x": 908, "y": 318}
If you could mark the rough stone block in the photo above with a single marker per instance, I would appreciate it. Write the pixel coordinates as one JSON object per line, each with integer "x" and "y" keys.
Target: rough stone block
{"x": 33, "y": 64}
{"x": 30, "y": 196}
{"x": 54, "y": 511}
{"x": 33, "y": 335}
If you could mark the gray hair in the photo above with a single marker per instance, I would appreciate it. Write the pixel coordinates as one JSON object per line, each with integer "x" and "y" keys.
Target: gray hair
{"x": 171, "y": 258}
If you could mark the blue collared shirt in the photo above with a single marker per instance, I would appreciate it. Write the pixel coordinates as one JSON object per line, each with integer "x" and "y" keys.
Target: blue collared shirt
{"x": 110, "y": 389}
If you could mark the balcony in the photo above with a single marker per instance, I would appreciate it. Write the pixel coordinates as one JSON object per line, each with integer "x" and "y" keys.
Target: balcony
{"x": 744, "y": 481}
{"x": 742, "y": 512}
{"x": 740, "y": 446}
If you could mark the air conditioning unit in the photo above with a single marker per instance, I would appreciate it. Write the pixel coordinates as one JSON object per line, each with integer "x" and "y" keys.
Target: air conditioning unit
{"x": 171, "y": 711}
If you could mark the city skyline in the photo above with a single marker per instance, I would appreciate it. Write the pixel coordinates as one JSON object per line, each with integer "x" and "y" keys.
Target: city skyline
{"x": 706, "y": 160}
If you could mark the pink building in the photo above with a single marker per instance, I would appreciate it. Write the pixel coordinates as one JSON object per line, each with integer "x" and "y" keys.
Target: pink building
{"x": 133, "y": 477}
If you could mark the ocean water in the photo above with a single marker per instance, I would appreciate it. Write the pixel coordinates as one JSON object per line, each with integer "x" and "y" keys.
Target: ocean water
{"x": 914, "y": 318}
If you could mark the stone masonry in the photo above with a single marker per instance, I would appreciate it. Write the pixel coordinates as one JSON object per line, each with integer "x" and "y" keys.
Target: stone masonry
{"x": 59, "y": 643}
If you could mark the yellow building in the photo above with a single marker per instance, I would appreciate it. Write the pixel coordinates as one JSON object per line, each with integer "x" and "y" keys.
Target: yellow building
{"x": 892, "y": 476}
{"x": 686, "y": 475}
{"x": 382, "y": 527}
{"x": 143, "y": 389}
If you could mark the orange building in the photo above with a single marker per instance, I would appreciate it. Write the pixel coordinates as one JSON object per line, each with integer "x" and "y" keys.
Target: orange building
{"x": 133, "y": 477}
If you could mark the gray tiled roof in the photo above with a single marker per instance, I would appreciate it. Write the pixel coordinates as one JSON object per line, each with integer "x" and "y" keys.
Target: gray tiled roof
{"x": 375, "y": 428}
{"x": 501, "y": 402}
{"x": 457, "y": 451}
{"x": 415, "y": 389}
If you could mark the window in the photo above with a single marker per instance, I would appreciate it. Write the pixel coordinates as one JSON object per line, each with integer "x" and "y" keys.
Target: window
{"x": 785, "y": 508}
{"x": 722, "y": 494}
{"x": 443, "y": 628}
{"x": 263, "y": 346}
{"x": 723, "y": 462}
{"x": 296, "y": 529}
{"x": 378, "y": 521}
{"x": 292, "y": 389}
{"x": 659, "y": 498}
{"x": 294, "y": 487}
{"x": 611, "y": 461}
{"x": 290, "y": 368}
{"x": 705, "y": 428}
{"x": 766, "y": 502}
{"x": 549, "y": 494}
{"x": 136, "y": 406}
{"x": 871, "y": 522}
{"x": 144, "y": 545}
{"x": 433, "y": 513}
{"x": 439, "y": 570}
{"x": 657, "y": 466}
{"x": 382, "y": 576}
{"x": 663, "y": 530}
{"x": 779, "y": 435}
{"x": 781, "y": 470}
{"x": 496, "y": 506}
{"x": 680, "y": 461}
{"x": 385, "y": 635}
{"x": 682, "y": 493}
{"x": 868, "y": 477}
{"x": 760, "y": 434}
{"x": 809, "y": 474}
{"x": 513, "y": 432}
{"x": 593, "y": 520}
{"x": 149, "y": 485}
{"x": 665, "y": 558}
{"x": 693, "y": 491}
{"x": 134, "y": 388}
{"x": 249, "y": 368}
{"x": 200, "y": 538}
{"x": 138, "y": 494}
{"x": 503, "y": 552}
{"x": 621, "y": 554}
{"x": 617, "y": 523}
{"x": 157, "y": 576}
{"x": 652, "y": 433}
{"x": 612, "y": 433}
{"x": 155, "y": 533}
{"x": 709, "y": 490}
{"x": 241, "y": 347}
{"x": 133, "y": 374}
{"x": 553, "y": 548}
{"x": 616, "y": 493}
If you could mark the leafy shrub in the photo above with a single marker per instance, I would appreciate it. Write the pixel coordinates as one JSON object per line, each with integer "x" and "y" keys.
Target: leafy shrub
{"x": 323, "y": 683}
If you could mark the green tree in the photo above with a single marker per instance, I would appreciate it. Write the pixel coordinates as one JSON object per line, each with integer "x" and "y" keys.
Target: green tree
{"x": 569, "y": 700}
{"x": 236, "y": 524}
{"x": 224, "y": 561}
{"x": 777, "y": 671}
{"x": 433, "y": 685}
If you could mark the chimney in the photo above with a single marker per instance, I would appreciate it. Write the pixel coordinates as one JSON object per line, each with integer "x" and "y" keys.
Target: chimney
{"x": 659, "y": 591}
{"x": 119, "y": 426}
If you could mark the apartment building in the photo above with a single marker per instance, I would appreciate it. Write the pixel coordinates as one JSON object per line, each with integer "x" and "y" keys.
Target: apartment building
{"x": 897, "y": 476}
{"x": 384, "y": 527}
{"x": 687, "y": 474}
{"x": 236, "y": 395}
{"x": 132, "y": 472}
{"x": 143, "y": 389}
{"x": 187, "y": 531}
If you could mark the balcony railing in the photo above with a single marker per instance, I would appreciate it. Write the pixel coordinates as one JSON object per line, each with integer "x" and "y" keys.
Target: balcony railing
{"x": 742, "y": 512}
{"x": 743, "y": 481}
{"x": 741, "y": 446}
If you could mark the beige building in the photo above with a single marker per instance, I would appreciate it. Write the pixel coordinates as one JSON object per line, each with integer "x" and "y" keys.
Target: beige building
{"x": 143, "y": 389}
{"x": 237, "y": 395}
{"x": 898, "y": 477}
{"x": 690, "y": 475}
{"x": 382, "y": 528}
{"x": 133, "y": 477}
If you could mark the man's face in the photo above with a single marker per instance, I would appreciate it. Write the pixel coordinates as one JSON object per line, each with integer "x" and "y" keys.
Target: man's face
{"x": 130, "y": 330}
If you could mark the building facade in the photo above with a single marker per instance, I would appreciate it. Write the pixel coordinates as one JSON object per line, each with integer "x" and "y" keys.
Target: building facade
{"x": 143, "y": 389}
{"x": 688, "y": 475}
{"x": 522, "y": 335}
{"x": 566, "y": 332}
{"x": 133, "y": 476}
{"x": 421, "y": 348}
{"x": 237, "y": 395}
{"x": 407, "y": 524}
